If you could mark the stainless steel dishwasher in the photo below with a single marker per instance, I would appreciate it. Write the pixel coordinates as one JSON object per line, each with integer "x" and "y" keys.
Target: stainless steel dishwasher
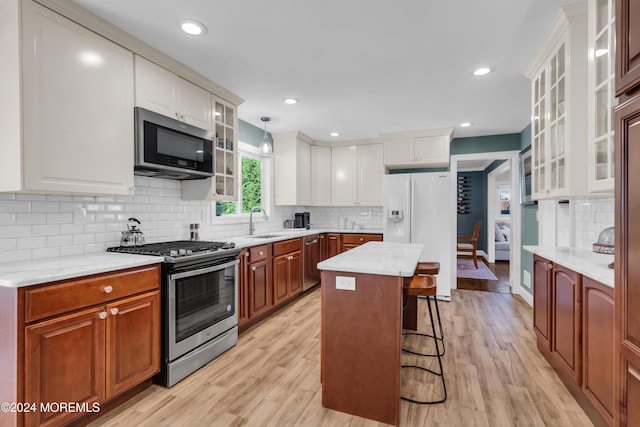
{"x": 311, "y": 258}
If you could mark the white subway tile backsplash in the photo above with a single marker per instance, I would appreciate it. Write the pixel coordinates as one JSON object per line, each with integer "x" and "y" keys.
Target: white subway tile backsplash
{"x": 32, "y": 218}
{"x": 32, "y": 242}
{"x": 45, "y": 230}
{"x": 15, "y": 231}
{"x": 591, "y": 217}
{"x": 38, "y": 206}
{"x": 65, "y": 240}
{"x": 72, "y": 250}
{"x": 34, "y": 226}
{"x": 46, "y": 253}
{"x": 8, "y": 244}
{"x": 15, "y": 206}
{"x": 8, "y": 218}
{"x": 59, "y": 218}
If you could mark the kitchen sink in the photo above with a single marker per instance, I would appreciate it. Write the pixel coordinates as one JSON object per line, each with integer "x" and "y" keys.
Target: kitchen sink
{"x": 266, "y": 236}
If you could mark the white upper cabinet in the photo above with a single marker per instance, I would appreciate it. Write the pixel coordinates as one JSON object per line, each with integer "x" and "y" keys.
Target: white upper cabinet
{"x": 357, "y": 172}
{"x": 164, "y": 92}
{"x": 602, "y": 99}
{"x": 292, "y": 168}
{"x": 558, "y": 73}
{"x": 344, "y": 173}
{"x": 417, "y": 149}
{"x": 320, "y": 175}
{"x": 76, "y": 107}
{"x": 370, "y": 174}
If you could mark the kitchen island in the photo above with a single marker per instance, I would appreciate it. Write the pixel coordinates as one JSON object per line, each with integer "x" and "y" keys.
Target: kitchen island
{"x": 362, "y": 328}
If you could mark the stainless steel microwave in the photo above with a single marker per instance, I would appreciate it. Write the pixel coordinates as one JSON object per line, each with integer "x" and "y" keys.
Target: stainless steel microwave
{"x": 169, "y": 148}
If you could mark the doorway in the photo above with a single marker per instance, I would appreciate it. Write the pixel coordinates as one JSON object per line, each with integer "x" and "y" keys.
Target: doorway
{"x": 501, "y": 207}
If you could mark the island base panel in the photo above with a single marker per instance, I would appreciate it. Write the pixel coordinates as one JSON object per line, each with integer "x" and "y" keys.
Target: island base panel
{"x": 361, "y": 336}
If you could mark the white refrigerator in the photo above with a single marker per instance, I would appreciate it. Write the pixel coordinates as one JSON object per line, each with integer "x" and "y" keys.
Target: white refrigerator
{"x": 417, "y": 209}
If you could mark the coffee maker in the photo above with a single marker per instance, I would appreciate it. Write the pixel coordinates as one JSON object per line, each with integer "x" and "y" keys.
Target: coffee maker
{"x": 302, "y": 220}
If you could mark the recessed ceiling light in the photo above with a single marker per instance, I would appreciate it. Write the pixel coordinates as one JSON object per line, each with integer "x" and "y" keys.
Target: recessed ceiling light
{"x": 465, "y": 124}
{"x": 600, "y": 52}
{"x": 291, "y": 101}
{"x": 482, "y": 71}
{"x": 335, "y": 134}
{"x": 193, "y": 28}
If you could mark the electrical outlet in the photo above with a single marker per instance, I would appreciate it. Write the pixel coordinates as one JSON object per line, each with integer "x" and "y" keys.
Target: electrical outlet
{"x": 346, "y": 283}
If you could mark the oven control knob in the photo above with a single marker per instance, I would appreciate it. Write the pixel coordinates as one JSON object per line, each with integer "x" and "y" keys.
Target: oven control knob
{"x": 189, "y": 251}
{"x": 182, "y": 251}
{"x": 229, "y": 307}
{"x": 173, "y": 252}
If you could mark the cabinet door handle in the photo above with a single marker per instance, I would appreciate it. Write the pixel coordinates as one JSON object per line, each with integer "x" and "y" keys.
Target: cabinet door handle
{"x": 246, "y": 254}
{"x": 114, "y": 311}
{"x": 108, "y": 289}
{"x": 102, "y": 315}
{"x": 549, "y": 266}
{"x": 182, "y": 117}
{"x": 253, "y": 268}
{"x": 290, "y": 258}
{"x": 177, "y": 114}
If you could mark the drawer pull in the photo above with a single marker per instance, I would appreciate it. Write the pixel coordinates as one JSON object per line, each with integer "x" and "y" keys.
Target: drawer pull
{"x": 114, "y": 311}
{"x": 253, "y": 268}
{"x": 102, "y": 315}
{"x": 361, "y": 239}
{"x": 108, "y": 289}
{"x": 260, "y": 253}
{"x": 290, "y": 258}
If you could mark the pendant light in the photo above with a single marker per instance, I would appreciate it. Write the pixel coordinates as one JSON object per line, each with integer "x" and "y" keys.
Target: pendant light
{"x": 265, "y": 147}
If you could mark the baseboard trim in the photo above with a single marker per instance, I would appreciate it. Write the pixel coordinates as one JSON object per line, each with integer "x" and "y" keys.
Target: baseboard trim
{"x": 526, "y": 296}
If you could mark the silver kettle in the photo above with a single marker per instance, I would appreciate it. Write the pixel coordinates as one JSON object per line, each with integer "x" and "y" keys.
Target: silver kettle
{"x": 132, "y": 236}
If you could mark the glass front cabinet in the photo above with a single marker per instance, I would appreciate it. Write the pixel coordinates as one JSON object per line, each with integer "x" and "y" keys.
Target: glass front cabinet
{"x": 558, "y": 73}
{"x": 222, "y": 186}
{"x": 602, "y": 98}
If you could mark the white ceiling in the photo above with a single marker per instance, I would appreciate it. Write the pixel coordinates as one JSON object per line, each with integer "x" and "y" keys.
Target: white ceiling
{"x": 359, "y": 67}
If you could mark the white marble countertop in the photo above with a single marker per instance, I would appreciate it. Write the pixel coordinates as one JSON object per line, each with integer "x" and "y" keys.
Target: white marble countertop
{"x": 25, "y": 273}
{"x": 384, "y": 258}
{"x": 583, "y": 261}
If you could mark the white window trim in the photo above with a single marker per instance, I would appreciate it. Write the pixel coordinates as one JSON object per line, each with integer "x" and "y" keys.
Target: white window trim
{"x": 266, "y": 172}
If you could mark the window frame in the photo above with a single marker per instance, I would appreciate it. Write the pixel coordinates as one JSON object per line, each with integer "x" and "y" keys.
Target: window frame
{"x": 266, "y": 187}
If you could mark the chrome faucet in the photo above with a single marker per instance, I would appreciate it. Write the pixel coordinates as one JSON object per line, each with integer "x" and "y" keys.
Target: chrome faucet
{"x": 252, "y": 227}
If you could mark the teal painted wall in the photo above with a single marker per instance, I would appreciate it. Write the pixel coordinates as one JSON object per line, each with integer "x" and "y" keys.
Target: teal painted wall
{"x": 250, "y": 134}
{"x": 477, "y": 203}
{"x": 484, "y": 144}
{"x": 528, "y": 223}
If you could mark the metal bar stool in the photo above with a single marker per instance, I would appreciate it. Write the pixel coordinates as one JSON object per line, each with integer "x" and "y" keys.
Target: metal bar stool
{"x": 431, "y": 269}
{"x": 425, "y": 286}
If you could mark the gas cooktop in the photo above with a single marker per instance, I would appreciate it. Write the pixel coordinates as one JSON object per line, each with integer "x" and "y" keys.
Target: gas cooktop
{"x": 176, "y": 249}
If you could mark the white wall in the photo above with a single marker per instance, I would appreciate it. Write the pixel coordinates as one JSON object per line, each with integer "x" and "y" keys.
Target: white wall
{"x": 39, "y": 226}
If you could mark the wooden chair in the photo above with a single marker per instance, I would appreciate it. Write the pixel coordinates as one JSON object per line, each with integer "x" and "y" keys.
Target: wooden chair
{"x": 468, "y": 244}
{"x": 425, "y": 286}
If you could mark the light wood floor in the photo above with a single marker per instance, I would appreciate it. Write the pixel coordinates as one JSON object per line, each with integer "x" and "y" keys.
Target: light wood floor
{"x": 495, "y": 376}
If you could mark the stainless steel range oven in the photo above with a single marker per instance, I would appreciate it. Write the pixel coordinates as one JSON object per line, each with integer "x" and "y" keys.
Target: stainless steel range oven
{"x": 199, "y": 297}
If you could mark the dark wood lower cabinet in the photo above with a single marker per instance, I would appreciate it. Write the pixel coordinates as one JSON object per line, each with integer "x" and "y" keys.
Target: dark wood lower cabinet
{"x": 260, "y": 287}
{"x": 573, "y": 322}
{"x": 133, "y": 341}
{"x": 627, "y": 240}
{"x": 542, "y": 297}
{"x": 598, "y": 347}
{"x": 287, "y": 276}
{"x": 332, "y": 245}
{"x": 64, "y": 362}
{"x": 566, "y": 315}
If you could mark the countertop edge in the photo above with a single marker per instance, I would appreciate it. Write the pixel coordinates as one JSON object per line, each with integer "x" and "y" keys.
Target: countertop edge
{"x": 70, "y": 267}
{"x": 583, "y": 261}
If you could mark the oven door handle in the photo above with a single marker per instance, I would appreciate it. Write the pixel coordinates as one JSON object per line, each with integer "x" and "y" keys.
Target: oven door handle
{"x": 203, "y": 270}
